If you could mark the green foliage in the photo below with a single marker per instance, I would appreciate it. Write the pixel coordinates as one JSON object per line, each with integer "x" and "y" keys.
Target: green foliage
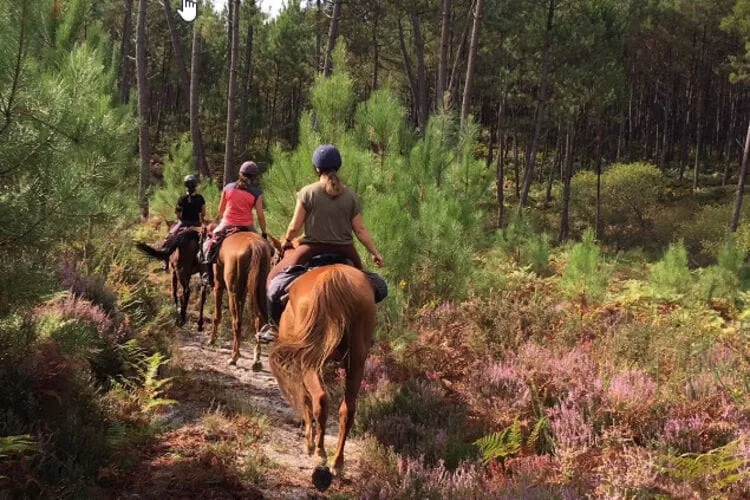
{"x": 501, "y": 445}
{"x": 16, "y": 445}
{"x": 535, "y": 253}
{"x": 628, "y": 191}
{"x": 716, "y": 471}
{"x": 176, "y": 166}
{"x": 671, "y": 274}
{"x": 584, "y": 277}
{"x": 379, "y": 121}
{"x": 333, "y": 99}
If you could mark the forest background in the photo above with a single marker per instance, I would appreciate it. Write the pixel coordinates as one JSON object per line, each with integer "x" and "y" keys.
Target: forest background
{"x": 556, "y": 187}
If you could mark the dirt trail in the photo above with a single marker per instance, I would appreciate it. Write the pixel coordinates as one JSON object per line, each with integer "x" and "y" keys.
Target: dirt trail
{"x": 290, "y": 474}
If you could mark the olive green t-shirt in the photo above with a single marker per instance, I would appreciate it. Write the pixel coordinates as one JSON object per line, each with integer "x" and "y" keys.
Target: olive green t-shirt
{"x": 329, "y": 219}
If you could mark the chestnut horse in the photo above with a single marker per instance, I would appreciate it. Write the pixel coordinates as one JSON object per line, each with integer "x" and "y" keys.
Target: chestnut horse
{"x": 183, "y": 263}
{"x": 241, "y": 268}
{"x": 330, "y": 316}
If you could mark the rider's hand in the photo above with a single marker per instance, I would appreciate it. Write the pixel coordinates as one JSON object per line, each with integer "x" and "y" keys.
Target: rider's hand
{"x": 378, "y": 259}
{"x": 287, "y": 245}
{"x": 264, "y": 235}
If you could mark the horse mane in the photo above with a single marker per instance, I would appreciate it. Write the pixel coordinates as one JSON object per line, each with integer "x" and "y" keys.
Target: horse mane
{"x": 317, "y": 333}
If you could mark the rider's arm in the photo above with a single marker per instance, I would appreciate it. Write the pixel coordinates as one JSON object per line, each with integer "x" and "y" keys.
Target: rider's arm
{"x": 203, "y": 214}
{"x": 358, "y": 225}
{"x": 298, "y": 220}
{"x": 261, "y": 214}
{"x": 222, "y": 205}
{"x": 178, "y": 209}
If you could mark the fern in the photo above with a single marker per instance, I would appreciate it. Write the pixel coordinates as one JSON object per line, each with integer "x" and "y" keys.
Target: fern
{"x": 501, "y": 445}
{"x": 15, "y": 445}
{"x": 718, "y": 469}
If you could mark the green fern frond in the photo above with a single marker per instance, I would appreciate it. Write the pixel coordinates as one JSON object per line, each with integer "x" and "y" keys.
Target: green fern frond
{"x": 501, "y": 445}
{"x": 15, "y": 445}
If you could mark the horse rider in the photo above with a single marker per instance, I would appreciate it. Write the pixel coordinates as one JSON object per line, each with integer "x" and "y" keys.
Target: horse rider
{"x": 236, "y": 212}
{"x": 330, "y": 213}
{"x": 190, "y": 211}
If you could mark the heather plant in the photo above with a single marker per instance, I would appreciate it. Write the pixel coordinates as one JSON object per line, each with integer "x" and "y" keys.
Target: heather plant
{"x": 584, "y": 277}
{"x": 671, "y": 275}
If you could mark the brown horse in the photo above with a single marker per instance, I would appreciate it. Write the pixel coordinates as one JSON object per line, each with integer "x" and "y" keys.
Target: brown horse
{"x": 241, "y": 269}
{"x": 330, "y": 316}
{"x": 183, "y": 263}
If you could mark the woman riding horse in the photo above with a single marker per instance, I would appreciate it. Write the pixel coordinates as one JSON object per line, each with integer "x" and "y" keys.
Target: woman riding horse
{"x": 330, "y": 212}
{"x": 236, "y": 211}
{"x": 190, "y": 211}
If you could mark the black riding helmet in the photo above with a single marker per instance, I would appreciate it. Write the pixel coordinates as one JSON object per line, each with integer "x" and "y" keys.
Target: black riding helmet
{"x": 191, "y": 181}
{"x": 326, "y": 158}
{"x": 249, "y": 169}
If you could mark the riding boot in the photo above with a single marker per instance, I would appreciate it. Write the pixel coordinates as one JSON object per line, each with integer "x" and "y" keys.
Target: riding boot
{"x": 270, "y": 331}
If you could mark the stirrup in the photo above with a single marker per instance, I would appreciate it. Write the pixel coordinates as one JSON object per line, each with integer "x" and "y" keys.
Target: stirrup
{"x": 267, "y": 334}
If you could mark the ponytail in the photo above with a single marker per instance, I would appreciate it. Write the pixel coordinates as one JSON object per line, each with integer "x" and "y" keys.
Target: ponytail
{"x": 332, "y": 183}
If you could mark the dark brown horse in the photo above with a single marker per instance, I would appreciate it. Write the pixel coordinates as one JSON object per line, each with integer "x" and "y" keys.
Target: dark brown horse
{"x": 241, "y": 268}
{"x": 330, "y": 316}
{"x": 183, "y": 263}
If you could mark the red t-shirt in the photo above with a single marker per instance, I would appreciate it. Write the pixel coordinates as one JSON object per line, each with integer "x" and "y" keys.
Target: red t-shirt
{"x": 239, "y": 204}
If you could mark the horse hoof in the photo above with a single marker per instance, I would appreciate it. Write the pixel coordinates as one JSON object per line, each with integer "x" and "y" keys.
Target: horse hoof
{"x": 257, "y": 366}
{"x": 233, "y": 361}
{"x": 338, "y": 471}
{"x": 322, "y": 478}
{"x": 200, "y": 328}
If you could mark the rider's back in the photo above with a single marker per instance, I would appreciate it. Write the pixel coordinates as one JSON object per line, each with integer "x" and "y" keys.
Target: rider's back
{"x": 329, "y": 218}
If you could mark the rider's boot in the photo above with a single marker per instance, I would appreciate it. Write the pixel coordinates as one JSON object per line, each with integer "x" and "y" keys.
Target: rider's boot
{"x": 208, "y": 275}
{"x": 270, "y": 331}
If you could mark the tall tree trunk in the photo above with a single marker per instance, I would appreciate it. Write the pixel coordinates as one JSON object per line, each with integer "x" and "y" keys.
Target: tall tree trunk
{"x": 729, "y": 142}
{"x": 408, "y": 70}
{"x": 125, "y": 47}
{"x": 598, "y": 163}
{"x": 333, "y": 34}
{"x": 555, "y": 166}
{"x": 459, "y": 51}
{"x": 741, "y": 185}
{"x": 422, "y": 102}
{"x": 500, "y": 172}
{"x": 375, "y": 49}
{"x": 567, "y": 176}
{"x": 187, "y": 82}
{"x": 443, "y": 62}
{"x": 247, "y": 79}
{"x": 144, "y": 148}
{"x": 539, "y": 115}
{"x": 318, "y": 35}
{"x": 199, "y": 155}
{"x": 471, "y": 64}
{"x": 229, "y": 174}
{"x": 698, "y": 134}
{"x": 516, "y": 165}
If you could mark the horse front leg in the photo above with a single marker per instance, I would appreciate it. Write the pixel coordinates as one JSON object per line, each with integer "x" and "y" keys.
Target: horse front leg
{"x": 218, "y": 297}
{"x": 175, "y": 284}
{"x": 257, "y": 364}
{"x": 185, "y": 299}
{"x": 201, "y": 306}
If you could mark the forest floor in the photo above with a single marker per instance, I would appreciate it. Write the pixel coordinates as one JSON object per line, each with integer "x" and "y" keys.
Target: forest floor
{"x": 230, "y": 433}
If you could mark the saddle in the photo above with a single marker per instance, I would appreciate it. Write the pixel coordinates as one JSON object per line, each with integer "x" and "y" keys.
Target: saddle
{"x": 279, "y": 287}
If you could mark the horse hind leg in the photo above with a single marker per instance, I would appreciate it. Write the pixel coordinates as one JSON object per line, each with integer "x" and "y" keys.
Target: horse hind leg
{"x": 185, "y": 299}
{"x": 218, "y": 298}
{"x": 175, "y": 284}
{"x": 307, "y": 416}
{"x": 236, "y": 305}
{"x": 257, "y": 364}
{"x": 319, "y": 400}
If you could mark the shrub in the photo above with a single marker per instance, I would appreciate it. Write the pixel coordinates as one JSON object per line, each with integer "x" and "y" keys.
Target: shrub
{"x": 583, "y": 278}
{"x": 535, "y": 253}
{"x": 672, "y": 274}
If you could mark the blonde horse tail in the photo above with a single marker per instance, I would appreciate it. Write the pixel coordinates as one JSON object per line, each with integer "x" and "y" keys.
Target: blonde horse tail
{"x": 318, "y": 333}
{"x": 256, "y": 277}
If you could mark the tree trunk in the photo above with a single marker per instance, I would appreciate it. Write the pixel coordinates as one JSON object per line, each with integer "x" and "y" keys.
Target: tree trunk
{"x": 459, "y": 51}
{"x": 247, "y": 79}
{"x": 125, "y": 65}
{"x": 500, "y": 173}
{"x": 729, "y": 142}
{"x": 542, "y": 100}
{"x": 408, "y": 70}
{"x": 187, "y": 82}
{"x": 696, "y": 165}
{"x": 567, "y": 176}
{"x": 376, "y": 51}
{"x": 598, "y": 162}
{"x": 554, "y": 167}
{"x": 443, "y": 62}
{"x": 422, "y": 106}
{"x": 199, "y": 155}
{"x": 333, "y": 34}
{"x": 229, "y": 169}
{"x": 144, "y": 147}
{"x": 516, "y": 165}
{"x": 741, "y": 185}
{"x": 470, "y": 65}
{"x": 318, "y": 36}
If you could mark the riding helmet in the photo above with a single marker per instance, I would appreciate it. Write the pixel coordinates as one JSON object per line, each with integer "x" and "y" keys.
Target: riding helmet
{"x": 249, "y": 169}
{"x": 326, "y": 158}
{"x": 190, "y": 181}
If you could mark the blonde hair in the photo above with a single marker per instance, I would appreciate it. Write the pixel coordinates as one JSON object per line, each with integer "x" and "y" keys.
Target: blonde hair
{"x": 333, "y": 184}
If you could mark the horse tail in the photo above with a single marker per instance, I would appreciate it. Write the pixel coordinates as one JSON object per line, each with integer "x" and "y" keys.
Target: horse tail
{"x": 318, "y": 333}
{"x": 257, "y": 275}
{"x": 151, "y": 251}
